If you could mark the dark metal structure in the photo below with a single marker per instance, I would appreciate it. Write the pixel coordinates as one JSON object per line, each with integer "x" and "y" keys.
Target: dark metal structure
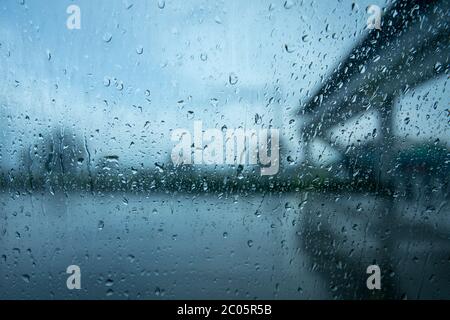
{"x": 412, "y": 47}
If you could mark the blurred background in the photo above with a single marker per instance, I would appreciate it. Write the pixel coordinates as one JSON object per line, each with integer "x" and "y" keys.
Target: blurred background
{"x": 86, "y": 176}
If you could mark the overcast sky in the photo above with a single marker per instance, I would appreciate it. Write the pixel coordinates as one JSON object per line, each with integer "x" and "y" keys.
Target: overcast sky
{"x": 138, "y": 69}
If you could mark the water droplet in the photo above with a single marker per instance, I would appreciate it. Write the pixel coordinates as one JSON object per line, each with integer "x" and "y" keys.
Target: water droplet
{"x": 290, "y": 160}
{"x": 109, "y": 283}
{"x": 258, "y": 119}
{"x": 233, "y": 79}
{"x": 214, "y": 102}
{"x": 289, "y": 48}
{"x": 288, "y": 4}
{"x": 107, "y": 37}
{"x": 362, "y": 68}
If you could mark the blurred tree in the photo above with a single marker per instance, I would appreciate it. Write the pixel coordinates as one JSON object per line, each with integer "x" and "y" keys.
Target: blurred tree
{"x": 60, "y": 152}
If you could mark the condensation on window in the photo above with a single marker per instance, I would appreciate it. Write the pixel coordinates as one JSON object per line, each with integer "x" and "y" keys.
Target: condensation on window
{"x": 224, "y": 149}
